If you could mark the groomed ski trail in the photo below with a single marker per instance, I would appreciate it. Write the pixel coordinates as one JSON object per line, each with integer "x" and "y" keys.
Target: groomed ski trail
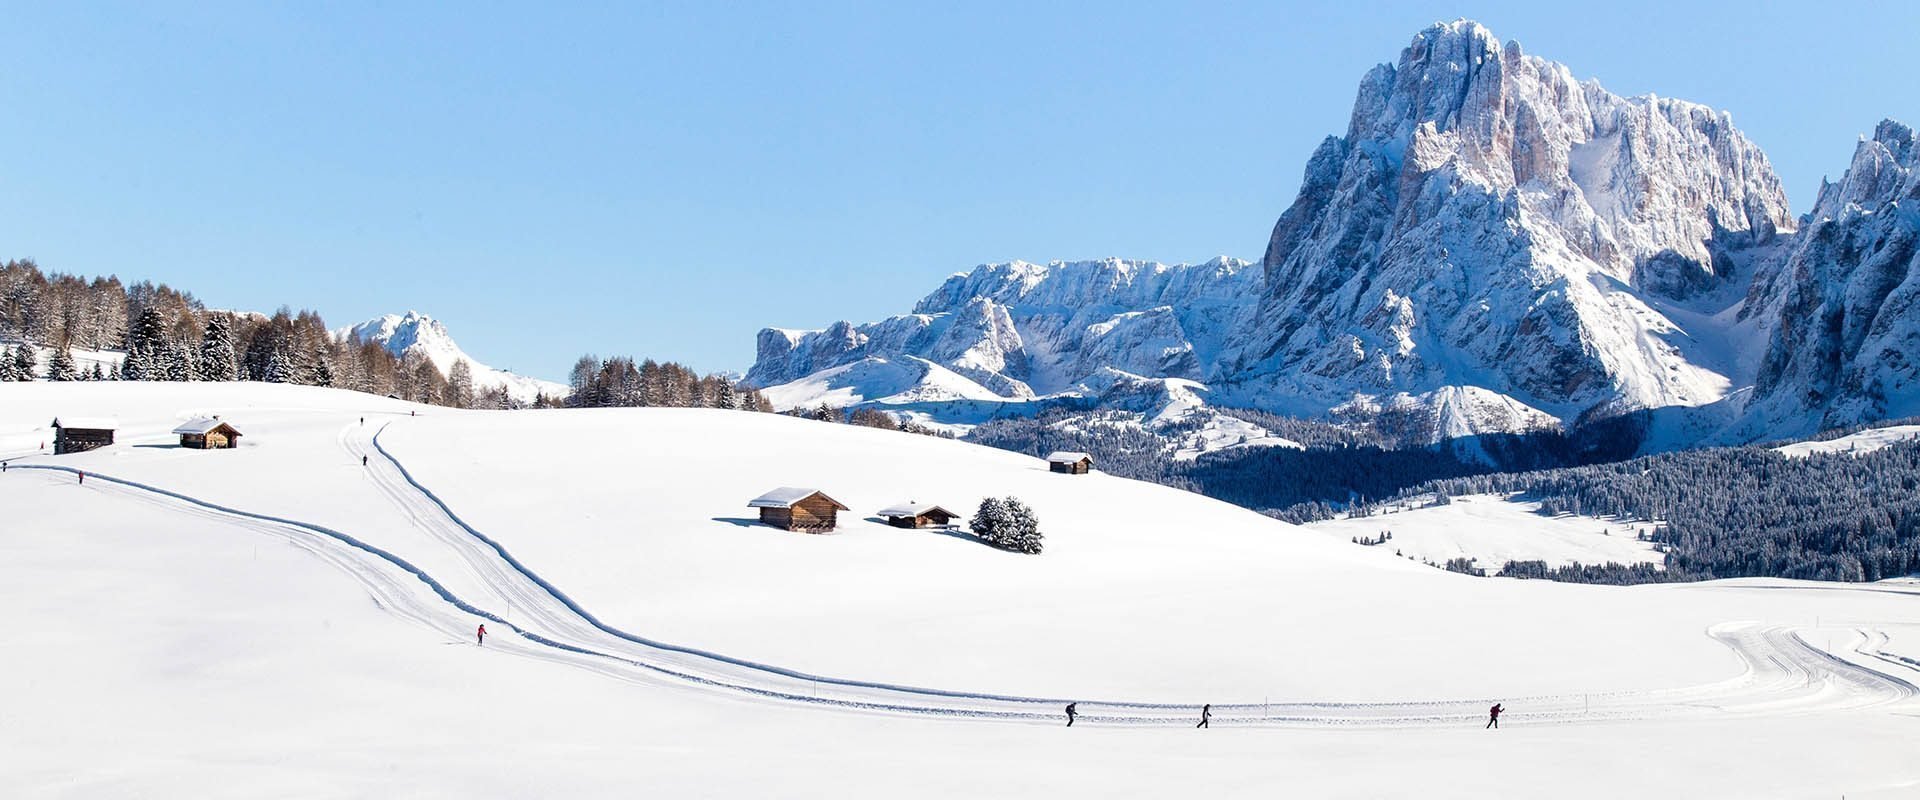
{"x": 1782, "y": 674}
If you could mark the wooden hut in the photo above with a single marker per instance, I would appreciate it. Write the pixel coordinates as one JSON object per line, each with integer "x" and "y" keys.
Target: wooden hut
{"x": 208, "y": 433}
{"x": 80, "y": 434}
{"x": 798, "y": 509}
{"x": 1069, "y": 462}
{"x": 917, "y": 515}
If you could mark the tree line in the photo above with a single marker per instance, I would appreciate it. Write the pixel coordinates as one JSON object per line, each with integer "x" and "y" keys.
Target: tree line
{"x": 620, "y": 382}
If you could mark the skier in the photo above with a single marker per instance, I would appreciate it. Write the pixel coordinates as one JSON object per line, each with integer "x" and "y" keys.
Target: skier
{"x": 1206, "y": 716}
{"x": 1072, "y": 711}
{"x": 83, "y": 478}
{"x": 363, "y": 461}
{"x": 1493, "y": 716}
{"x": 481, "y": 636}
{"x": 363, "y": 420}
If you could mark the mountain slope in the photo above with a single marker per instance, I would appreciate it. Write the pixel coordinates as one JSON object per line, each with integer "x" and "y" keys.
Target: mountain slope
{"x": 413, "y": 332}
{"x": 1840, "y": 310}
{"x": 1489, "y": 221}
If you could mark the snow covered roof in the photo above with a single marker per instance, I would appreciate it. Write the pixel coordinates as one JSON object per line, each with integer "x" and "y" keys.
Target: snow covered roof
{"x": 87, "y": 423}
{"x": 912, "y": 509}
{"x": 787, "y": 496}
{"x": 1067, "y": 457}
{"x": 203, "y": 425}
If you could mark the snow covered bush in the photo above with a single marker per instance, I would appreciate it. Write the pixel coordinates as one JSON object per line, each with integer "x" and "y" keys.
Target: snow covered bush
{"x": 1008, "y": 524}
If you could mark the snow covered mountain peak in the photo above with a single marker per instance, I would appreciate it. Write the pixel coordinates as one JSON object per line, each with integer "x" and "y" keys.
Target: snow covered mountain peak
{"x": 1489, "y": 221}
{"x": 417, "y": 333}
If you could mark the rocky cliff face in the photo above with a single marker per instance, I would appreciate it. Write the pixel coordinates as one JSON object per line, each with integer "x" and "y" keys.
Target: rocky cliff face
{"x": 1023, "y": 329}
{"x": 1841, "y": 307}
{"x": 1488, "y": 221}
{"x": 1492, "y": 246}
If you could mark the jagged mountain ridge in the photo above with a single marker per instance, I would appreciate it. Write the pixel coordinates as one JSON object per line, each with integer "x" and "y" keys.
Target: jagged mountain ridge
{"x": 414, "y": 332}
{"x": 1493, "y": 244}
{"x": 1841, "y": 308}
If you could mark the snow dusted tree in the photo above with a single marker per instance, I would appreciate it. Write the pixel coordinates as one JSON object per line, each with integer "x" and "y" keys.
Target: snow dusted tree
{"x": 279, "y": 368}
{"x": 1007, "y": 524}
{"x": 60, "y": 366}
{"x": 176, "y": 363}
{"x": 134, "y": 366}
{"x": 319, "y": 368}
{"x": 218, "y": 359}
{"x": 18, "y": 363}
{"x": 724, "y": 395}
{"x": 98, "y": 373}
{"x": 9, "y": 371}
{"x": 460, "y": 385}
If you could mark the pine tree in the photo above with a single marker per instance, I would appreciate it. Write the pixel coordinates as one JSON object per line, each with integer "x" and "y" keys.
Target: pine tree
{"x": 460, "y": 385}
{"x": 176, "y": 363}
{"x": 60, "y": 366}
{"x": 98, "y": 373}
{"x": 9, "y": 372}
{"x": 725, "y": 396}
{"x": 134, "y": 366}
{"x": 218, "y": 361}
{"x": 26, "y": 363}
{"x": 1007, "y": 524}
{"x": 279, "y": 368}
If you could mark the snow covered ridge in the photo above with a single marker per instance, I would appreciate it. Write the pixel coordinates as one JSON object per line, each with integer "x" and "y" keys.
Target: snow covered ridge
{"x": 1492, "y": 244}
{"x": 414, "y": 332}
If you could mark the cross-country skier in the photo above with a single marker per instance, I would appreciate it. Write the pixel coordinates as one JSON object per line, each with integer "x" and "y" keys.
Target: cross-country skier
{"x": 83, "y": 478}
{"x": 1493, "y": 716}
{"x": 1073, "y": 710}
{"x": 1206, "y": 716}
{"x": 480, "y": 638}
{"x": 363, "y": 461}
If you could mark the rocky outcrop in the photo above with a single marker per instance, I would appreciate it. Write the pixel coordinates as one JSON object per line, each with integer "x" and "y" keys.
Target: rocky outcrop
{"x": 1841, "y": 307}
{"x": 1488, "y": 221}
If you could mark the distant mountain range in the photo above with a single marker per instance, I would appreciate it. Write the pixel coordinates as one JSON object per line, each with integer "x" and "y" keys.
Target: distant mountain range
{"x": 414, "y": 332}
{"x": 1492, "y": 247}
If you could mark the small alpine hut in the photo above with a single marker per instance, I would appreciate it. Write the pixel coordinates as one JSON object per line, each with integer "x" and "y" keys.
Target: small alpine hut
{"x": 798, "y": 508}
{"x": 208, "y": 433}
{"x": 80, "y": 434}
{"x": 917, "y": 515}
{"x": 1069, "y": 462}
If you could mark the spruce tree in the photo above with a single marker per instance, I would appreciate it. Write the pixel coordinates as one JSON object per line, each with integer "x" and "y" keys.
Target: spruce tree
{"x": 134, "y": 366}
{"x": 279, "y": 368}
{"x": 60, "y": 366}
{"x": 25, "y": 363}
{"x": 1007, "y": 524}
{"x": 218, "y": 361}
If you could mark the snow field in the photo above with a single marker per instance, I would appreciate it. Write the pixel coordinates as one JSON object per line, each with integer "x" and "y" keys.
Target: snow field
{"x": 1493, "y": 530}
{"x": 1271, "y": 603}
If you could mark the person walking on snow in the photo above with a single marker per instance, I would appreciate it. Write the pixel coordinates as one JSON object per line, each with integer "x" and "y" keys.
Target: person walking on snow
{"x": 1072, "y": 711}
{"x": 1493, "y": 716}
{"x": 480, "y": 638}
{"x": 363, "y": 461}
{"x": 1206, "y": 716}
{"x": 83, "y": 478}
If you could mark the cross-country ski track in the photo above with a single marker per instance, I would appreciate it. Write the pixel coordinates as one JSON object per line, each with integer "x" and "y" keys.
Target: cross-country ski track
{"x": 479, "y": 580}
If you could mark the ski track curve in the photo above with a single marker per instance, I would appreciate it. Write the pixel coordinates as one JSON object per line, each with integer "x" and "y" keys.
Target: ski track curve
{"x": 1782, "y": 673}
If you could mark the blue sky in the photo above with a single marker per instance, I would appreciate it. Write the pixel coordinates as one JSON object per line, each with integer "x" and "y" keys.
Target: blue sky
{"x": 664, "y": 181}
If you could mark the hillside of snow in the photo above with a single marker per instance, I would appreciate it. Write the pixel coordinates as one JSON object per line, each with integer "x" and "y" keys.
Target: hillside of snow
{"x": 414, "y": 332}
{"x": 1493, "y": 530}
{"x": 1865, "y": 441}
{"x": 315, "y": 604}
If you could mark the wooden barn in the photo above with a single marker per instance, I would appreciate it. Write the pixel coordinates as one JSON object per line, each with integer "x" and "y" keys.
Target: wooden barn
{"x": 80, "y": 434}
{"x": 918, "y": 515}
{"x": 208, "y": 433}
{"x": 1069, "y": 462}
{"x": 798, "y": 509}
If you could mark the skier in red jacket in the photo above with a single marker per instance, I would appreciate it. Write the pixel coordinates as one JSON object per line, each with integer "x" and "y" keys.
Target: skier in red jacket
{"x": 1493, "y": 716}
{"x": 481, "y": 636}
